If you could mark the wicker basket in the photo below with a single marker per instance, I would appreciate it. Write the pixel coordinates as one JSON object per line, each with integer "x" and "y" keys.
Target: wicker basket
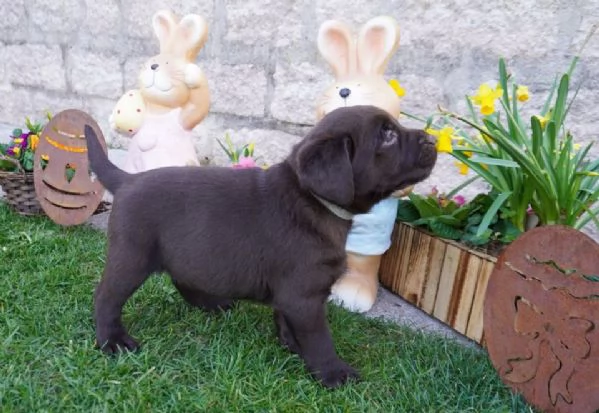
{"x": 20, "y": 192}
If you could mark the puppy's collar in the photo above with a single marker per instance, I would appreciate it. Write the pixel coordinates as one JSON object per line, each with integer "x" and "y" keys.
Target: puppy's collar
{"x": 335, "y": 209}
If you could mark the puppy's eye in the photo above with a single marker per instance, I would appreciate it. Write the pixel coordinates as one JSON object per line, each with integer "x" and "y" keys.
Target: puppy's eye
{"x": 388, "y": 136}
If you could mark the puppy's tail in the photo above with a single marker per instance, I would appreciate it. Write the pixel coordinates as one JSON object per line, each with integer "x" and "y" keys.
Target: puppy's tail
{"x": 108, "y": 173}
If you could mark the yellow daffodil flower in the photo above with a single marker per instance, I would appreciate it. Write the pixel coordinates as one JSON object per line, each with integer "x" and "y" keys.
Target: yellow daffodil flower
{"x": 34, "y": 140}
{"x": 444, "y": 138}
{"x": 542, "y": 120}
{"x": 485, "y": 98}
{"x": 576, "y": 146}
{"x": 45, "y": 157}
{"x": 397, "y": 87}
{"x": 18, "y": 141}
{"x": 481, "y": 138}
{"x": 522, "y": 93}
{"x": 463, "y": 168}
{"x": 469, "y": 153}
{"x": 16, "y": 150}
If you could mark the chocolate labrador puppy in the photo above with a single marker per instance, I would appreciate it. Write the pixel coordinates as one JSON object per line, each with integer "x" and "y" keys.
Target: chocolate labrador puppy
{"x": 276, "y": 236}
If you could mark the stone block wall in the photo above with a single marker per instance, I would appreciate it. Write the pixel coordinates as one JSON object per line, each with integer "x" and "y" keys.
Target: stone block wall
{"x": 265, "y": 72}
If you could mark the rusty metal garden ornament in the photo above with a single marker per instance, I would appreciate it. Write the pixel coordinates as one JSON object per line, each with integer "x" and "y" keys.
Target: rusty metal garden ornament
{"x": 541, "y": 319}
{"x": 64, "y": 184}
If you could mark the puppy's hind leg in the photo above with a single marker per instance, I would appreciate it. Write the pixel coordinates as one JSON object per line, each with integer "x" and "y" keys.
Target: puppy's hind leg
{"x": 205, "y": 301}
{"x": 123, "y": 275}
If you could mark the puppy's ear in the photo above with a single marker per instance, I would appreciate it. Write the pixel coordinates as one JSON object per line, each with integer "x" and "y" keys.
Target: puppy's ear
{"x": 324, "y": 168}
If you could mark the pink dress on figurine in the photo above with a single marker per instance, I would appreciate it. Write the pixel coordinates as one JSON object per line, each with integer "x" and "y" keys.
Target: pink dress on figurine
{"x": 161, "y": 141}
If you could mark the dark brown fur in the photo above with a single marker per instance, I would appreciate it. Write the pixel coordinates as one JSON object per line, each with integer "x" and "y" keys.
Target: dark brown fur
{"x": 225, "y": 234}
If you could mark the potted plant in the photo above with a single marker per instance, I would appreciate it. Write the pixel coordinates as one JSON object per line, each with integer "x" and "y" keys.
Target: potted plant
{"x": 16, "y": 168}
{"x": 438, "y": 262}
{"x": 240, "y": 157}
{"x": 537, "y": 173}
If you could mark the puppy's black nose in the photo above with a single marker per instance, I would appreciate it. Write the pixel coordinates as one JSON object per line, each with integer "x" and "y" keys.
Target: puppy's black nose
{"x": 345, "y": 92}
{"x": 154, "y": 66}
{"x": 428, "y": 149}
{"x": 425, "y": 138}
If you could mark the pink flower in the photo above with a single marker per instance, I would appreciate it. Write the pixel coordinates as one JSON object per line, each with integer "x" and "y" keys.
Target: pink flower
{"x": 246, "y": 162}
{"x": 459, "y": 199}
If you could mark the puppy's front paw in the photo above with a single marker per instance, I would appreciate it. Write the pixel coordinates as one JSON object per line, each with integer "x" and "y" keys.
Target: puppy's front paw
{"x": 337, "y": 374}
{"x": 355, "y": 292}
{"x": 116, "y": 343}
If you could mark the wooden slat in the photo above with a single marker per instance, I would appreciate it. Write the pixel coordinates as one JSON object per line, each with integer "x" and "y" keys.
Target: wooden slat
{"x": 449, "y": 272}
{"x": 407, "y": 235}
{"x": 389, "y": 260}
{"x": 437, "y": 254}
{"x": 418, "y": 269}
{"x": 475, "y": 323}
{"x": 469, "y": 283}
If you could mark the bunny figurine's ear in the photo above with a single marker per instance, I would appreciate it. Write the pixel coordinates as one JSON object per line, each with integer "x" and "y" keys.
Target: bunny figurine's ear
{"x": 164, "y": 24}
{"x": 337, "y": 46}
{"x": 190, "y": 36}
{"x": 377, "y": 41}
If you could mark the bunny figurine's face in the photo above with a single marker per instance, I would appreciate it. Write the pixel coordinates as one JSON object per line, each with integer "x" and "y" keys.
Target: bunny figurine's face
{"x": 359, "y": 90}
{"x": 172, "y": 78}
{"x": 162, "y": 81}
{"x": 358, "y": 64}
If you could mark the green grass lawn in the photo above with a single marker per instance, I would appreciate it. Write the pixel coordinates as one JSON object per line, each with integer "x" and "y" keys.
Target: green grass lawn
{"x": 193, "y": 362}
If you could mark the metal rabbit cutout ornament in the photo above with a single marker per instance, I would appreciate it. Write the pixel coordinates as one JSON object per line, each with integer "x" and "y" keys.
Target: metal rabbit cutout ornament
{"x": 173, "y": 97}
{"x": 358, "y": 63}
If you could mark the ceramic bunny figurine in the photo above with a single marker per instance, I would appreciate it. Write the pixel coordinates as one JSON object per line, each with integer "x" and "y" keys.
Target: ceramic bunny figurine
{"x": 173, "y": 97}
{"x": 358, "y": 63}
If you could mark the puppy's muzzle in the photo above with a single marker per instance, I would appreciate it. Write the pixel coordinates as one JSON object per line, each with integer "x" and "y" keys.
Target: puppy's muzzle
{"x": 428, "y": 150}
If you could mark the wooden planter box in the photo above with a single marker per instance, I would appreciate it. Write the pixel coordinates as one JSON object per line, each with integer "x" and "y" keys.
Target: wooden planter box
{"x": 443, "y": 278}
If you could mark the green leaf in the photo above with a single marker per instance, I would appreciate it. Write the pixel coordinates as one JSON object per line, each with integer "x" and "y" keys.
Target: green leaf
{"x": 27, "y": 161}
{"x": 492, "y": 212}
{"x": 406, "y": 211}
{"x": 449, "y": 220}
{"x": 473, "y": 239}
{"x": 445, "y": 231}
{"x": 507, "y": 230}
{"x": 537, "y": 135}
{"x": 427, "y": 207}
{"x": 16, "y": 133}
{"x": 560, "y": 102}
{"x": 70, "y": 174}
{"x": 592, "y": 278}
{"x": 463, "y": 185}
{"x": 474, "y": 219}
{"x": 547, "y": 104}
{"x": 225, "y": 149}
{"x": 7, "y": 165}
{"x": 463, "y": 212}
{"x": 494, "y": 161}
{"x": 423, "y": 222}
